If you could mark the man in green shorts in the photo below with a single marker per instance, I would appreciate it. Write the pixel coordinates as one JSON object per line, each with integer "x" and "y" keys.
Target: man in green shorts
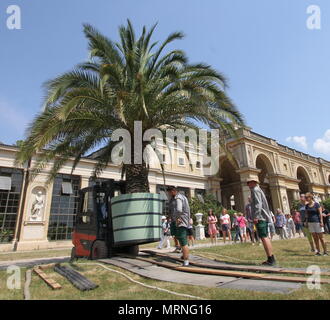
{"x": 180, "y": 217}
{"x": 261, "y": 217}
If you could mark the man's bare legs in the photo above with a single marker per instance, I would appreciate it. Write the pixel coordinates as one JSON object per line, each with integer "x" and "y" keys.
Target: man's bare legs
{"x": 185, "y": 252}
{"x": 267, "y": 246}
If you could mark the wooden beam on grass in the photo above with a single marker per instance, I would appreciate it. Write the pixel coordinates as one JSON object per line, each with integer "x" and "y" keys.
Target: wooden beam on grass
{"x": 49, "y": 281}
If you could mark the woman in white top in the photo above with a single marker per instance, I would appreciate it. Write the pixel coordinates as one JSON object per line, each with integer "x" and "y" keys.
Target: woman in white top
{"x": 225, "y": 225}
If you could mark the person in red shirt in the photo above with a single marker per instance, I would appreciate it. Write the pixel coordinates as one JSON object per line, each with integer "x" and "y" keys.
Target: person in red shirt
{"x": 297, "y": 221}
{"x": 242, "y": 222}
{"x": 212, "y": 230}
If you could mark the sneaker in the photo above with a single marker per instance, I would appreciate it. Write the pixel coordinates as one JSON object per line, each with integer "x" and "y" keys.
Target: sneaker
{"x": 177, "y": 250}
{"x": 185, "y": 263}
{"x": 313, "y": 250}
{"x": 318, "y": 254}
{"x": 270, "y": 261}
{"x": 325, "y": 253}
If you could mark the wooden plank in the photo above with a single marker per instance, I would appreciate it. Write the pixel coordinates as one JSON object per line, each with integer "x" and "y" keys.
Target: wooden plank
{"x": 239, "y": 268}
{"x": 238, "y": 274}
{"x": 46, "y": 266}
{"x": 52, "y": 283}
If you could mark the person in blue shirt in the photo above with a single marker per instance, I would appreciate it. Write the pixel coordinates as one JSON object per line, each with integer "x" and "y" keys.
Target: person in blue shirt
{"x": 303, "y": 217}
{"x": 280, "y": 223}
{"x": 315, "y": 223}
{"x": 326, "y": 219}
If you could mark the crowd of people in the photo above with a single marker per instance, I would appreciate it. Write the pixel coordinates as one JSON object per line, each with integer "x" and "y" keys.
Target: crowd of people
{"x": 257, "y": 224}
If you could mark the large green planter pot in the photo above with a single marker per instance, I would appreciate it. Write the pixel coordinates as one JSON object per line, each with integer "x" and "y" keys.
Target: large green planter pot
{"x": 136, "y": 218}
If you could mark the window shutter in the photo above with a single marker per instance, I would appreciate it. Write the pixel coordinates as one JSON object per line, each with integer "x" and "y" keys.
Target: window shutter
{"x": 5, "y": 183}
{"x": 67, "y": 188}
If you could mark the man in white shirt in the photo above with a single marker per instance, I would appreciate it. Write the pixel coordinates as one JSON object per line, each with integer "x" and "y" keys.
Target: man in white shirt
{"x": 180, "y": 216}
{"x": 262, "y": 217}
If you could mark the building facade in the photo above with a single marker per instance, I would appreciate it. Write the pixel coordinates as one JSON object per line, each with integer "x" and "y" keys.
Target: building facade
{"x": 36, "y": 215}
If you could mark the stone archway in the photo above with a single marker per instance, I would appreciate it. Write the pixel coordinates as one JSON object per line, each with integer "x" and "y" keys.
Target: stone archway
{"x": 266, "y": 170}
{"x": 304, "y": 183}
{"x": 231, "y": 193}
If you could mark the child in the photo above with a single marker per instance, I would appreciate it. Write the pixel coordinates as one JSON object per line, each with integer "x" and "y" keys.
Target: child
{"x": 290, "y": 226}
{"x": 165, "y": 234}
{"x": 242, "y": 222}
{"x": 235, "y": 226}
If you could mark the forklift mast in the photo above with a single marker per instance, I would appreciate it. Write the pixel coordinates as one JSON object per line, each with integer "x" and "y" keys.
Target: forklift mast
{"x": 102, "y": 195}
{"x": 94, "y": 222}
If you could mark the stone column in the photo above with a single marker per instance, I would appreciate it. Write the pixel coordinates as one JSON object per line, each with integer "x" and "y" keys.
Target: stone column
{"x": 246, "y": 193}
{"x": 36, "y": 214}
{"x": 152, "y": 188}
{"x": 297, "y": 195}
{"x": 84, "y": 182}
{"x": 280, "y": 198}
{"x": 214, "y": 187}
{"x": 192, "y": 192}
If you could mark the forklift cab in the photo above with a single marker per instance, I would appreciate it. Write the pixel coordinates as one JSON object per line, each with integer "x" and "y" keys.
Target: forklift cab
{"x": 93, "y": 235}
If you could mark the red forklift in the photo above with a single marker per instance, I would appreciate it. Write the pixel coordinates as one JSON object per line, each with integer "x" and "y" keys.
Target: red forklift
{"x": 92, "y": 236}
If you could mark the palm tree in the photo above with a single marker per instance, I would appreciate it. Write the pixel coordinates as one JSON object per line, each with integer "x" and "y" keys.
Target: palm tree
{"x": 132, "y": 80}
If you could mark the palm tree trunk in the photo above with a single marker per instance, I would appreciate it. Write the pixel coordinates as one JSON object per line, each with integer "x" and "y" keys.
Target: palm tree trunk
{"x": 137, "y": 175}
{"x": 137, "y": 178}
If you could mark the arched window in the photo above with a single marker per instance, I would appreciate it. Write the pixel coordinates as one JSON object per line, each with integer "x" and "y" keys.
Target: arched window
{"x": 266, "y": 169}
{"x": 302, "y": 175}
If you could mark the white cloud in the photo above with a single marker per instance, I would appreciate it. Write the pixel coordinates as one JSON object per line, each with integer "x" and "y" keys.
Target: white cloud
{"x": 299, "y": 141}
{"x": 322, "y": 145}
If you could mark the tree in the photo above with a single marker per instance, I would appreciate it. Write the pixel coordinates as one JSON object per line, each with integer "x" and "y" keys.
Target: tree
{"x": 210, "y": 202}
{"x": 326, "y": 204}
{"x": 18, "y": 143}
{"x": 132, "y": 80}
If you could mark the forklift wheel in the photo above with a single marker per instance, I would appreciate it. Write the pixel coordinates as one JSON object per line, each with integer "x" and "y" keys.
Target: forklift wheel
{"x": 132, "y": 250}
{"x": 99, "y": 250}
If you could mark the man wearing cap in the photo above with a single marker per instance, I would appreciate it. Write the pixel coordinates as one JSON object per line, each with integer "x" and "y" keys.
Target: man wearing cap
{"x": 261, "y": 217}
{"x": 179, "y": 211}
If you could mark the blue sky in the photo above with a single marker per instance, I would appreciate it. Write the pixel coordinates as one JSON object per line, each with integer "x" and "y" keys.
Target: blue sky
{"x": 278, "y": 69}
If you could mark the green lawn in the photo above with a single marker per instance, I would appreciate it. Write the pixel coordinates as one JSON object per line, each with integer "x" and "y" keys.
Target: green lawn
{"x": 290, "y": 253}
{"x": 293, "y": 253}
{"x": 10, "y": 256}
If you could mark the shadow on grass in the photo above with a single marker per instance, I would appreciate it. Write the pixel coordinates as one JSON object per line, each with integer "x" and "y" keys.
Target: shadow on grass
{"x": 294, "y": 253}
